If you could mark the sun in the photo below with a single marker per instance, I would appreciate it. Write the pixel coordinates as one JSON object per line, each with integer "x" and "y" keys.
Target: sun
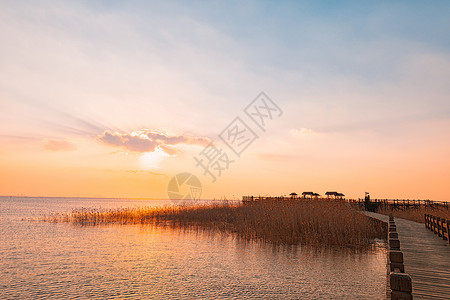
{"x": 152, "y": 160}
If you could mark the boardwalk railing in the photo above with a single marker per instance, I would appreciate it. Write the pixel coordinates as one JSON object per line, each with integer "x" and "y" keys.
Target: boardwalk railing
{"x": 400, "y": 283}
{"x": 404, "y": 202}
{"x": 376, "y": 202}
{"x": 439, "y": 226}
{"x": 281, "y": 198}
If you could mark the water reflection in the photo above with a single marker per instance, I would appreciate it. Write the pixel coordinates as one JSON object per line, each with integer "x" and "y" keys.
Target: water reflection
{"x": 40, "y": 260}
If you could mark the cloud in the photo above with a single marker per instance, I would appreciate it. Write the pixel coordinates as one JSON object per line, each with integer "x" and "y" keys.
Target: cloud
{"x": 148, "y": 141}
{"x": 137, "y": 171}
{"x": 302, "y": 132}
{"x": 59, "y": 146}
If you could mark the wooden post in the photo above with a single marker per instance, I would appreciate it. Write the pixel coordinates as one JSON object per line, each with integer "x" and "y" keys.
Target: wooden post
{"x": 444, "y": 229}
{"x": 393, "y": 235}
{"x": 448, "y": 231}
{"x": 394, "y": 244}
{"x": 434, "y": 224}
{"x": 401, "y": 286}
{"x": 430, "y": 222}
{"x": 396, "y": 261}
{"x": 436, "y": 227}
{"x": 430, "y": 225}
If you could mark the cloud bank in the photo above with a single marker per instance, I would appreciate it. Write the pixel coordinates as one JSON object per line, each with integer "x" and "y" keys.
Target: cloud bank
{"x": 148, "y": 141}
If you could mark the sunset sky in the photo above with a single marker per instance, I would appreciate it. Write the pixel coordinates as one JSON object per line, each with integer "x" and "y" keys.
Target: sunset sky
{"x": 112, "y": 99}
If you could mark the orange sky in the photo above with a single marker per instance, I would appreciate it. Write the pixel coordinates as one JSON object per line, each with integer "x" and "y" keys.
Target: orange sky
{"x": 273, "y": 166}
{"x": 113, "y": 101}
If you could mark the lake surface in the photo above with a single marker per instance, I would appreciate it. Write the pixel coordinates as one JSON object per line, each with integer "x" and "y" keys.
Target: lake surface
{"x": 63, "y": 261}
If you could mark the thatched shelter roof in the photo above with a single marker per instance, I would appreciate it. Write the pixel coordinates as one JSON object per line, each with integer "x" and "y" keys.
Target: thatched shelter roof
{"x": 308, "y": 193}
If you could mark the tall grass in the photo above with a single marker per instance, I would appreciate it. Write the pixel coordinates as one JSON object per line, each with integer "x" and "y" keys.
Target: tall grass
{"x": 288, "y": 222}
{"x": 416, "y": 214}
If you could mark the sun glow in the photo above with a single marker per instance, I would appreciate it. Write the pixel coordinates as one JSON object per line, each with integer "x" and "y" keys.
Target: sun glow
{"x": 152, "y": 160}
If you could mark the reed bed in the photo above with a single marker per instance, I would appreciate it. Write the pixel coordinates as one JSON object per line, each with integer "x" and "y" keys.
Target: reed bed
{"x": 416, "y": 214}
{"x": 287, "y": 222}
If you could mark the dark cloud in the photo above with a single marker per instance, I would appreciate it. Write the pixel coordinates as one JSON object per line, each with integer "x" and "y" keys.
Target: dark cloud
{"x": 148, "y": 141}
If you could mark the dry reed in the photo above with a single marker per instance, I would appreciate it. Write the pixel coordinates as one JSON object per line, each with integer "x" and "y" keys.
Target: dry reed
{"x": 288, "y": 222}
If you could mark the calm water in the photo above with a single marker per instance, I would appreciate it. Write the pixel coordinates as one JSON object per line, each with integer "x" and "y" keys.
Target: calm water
{"x": 63, "y": 261}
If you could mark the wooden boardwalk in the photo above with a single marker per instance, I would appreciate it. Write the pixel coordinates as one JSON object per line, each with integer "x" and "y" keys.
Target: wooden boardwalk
{"x": 426, "y": 258}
